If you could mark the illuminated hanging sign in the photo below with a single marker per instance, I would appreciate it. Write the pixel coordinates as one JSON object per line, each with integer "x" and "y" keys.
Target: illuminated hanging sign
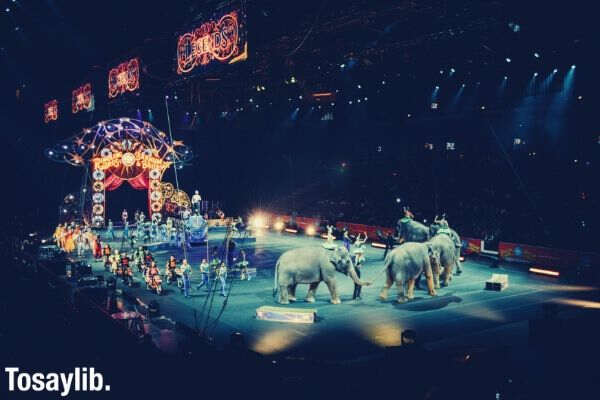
{"x": 127, "y": 165}
{"x": 51, "y": 111}
{"x": 124, "y": 77}
{"x": 82, "y": 98}
{"x": 222, "y": 40}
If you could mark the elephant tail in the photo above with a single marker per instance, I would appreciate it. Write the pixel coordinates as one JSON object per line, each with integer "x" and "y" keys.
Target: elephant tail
{"x": 385, "y": 270}
{"x": 275, "y": 278}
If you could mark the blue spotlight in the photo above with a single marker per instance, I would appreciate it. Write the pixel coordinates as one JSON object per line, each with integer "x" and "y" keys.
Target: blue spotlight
{"x": 573, "y": 66}
{"x": 536, "y": 55}
{"x": 535, "y": 74}
{"x": 555, "y": 71}
{"x": 508, "y": 59}
{"x": 505, "y": 77}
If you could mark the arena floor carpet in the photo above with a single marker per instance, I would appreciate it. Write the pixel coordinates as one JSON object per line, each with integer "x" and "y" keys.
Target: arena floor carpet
{"x": 462, "y": 313}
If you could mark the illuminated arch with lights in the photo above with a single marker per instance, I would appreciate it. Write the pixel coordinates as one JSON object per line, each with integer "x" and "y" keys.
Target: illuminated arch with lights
{"x": 124, "y": 150}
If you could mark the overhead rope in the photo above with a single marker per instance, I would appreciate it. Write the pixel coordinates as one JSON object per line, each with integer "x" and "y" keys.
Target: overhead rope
{"x": 176, "y": 175}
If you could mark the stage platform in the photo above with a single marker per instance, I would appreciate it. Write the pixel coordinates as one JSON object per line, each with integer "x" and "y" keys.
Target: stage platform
{"x": 462, "y": 313}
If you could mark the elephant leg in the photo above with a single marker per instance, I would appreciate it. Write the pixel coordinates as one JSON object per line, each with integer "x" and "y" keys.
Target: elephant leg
{"x": 333, "y": 291}
{"x": 430, "y": 285}
{"x": 411, "y": 289}
{"x": 447, "y": 275}
{"x": 384, "y": 292}
{"x": 458, "y": 266}
{"x": 401, "y": 296}
{"x": 283, "y": 294}
{"x": 310, "y": 296}
{"x": 292, "y": 292}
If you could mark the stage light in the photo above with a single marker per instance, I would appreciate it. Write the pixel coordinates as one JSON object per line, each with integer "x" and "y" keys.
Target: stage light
{"x": 366, "y": 99}
{"x": 311, "y": 230}
{"x": 544, "y": 272}
{"x": 579, "y": 97}
{"x": 508, "y": 59}
{"x": 463, "y": 85}
{"x": 398, "y": 200}
{"x": 505, "y": 77}
{"x": 437, "y": 88}
{"x": 483, "y": 107}
{"x": 555, "y": 70}
{"x": 358, "y": 100}
{"x": 175, "y": 97}
{"x": 7, "y": 9}
{"x": 441, "y": 71}
{"x": 408, "y": 115}
{"x": 278, "y": 226}
{"x": 452, "y": 70}
{"x": 300, "y": 97}
{"x": 358, "y": 86}
{"x": 383, "y": 82}
{"x": 257, "y": 221}
{"x": 536, "y": 55}
{"x": 332, "y": 104}
{"x": 51, "y": 152}
{"x": 461, "y": 259}
{"x": 349, "y": 101}
{"x": 535, "y": 74}
{"x": 250, "y": 100}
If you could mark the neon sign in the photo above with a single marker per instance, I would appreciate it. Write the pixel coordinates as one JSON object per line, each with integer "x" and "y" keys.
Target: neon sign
{"x": 139, "y": 160}
{"x": 51, "y": 111}
{"x": 124, "y": 77}
{"x": 82, "y": 98}
{"x": 214, "y": 40}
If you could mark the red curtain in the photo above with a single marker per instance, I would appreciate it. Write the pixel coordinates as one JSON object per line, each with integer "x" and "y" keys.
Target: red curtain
{"x": 112, "y": 182}
{"x": 140, "y": 182}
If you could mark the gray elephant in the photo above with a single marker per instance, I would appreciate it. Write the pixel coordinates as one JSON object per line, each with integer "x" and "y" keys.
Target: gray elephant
{"x": 311, "y": 265}
{"x": 404, "y": 264}
{"x": 441, "y": 228}
{"x": 410, "y": 230}
{"x": 448, "y": 258}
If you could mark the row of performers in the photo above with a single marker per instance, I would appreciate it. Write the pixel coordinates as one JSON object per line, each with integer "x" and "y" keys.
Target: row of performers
{"x": 73, "y": 237}
{"x": 149, "y": 231}
{"x": 121, "y": 265}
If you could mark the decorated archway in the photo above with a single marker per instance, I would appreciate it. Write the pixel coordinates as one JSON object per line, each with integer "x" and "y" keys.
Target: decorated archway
{"x": 126, "y": 150}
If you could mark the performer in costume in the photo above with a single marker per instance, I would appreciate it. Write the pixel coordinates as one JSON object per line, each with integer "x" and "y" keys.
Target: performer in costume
{"x": 170, "y": 269}
{"x": 110, "y": 229}
{"x": 179, "y": 271}
{"x": 204, "y": 272}
{"x": 124, "y": 216}
{"x": 126, "y": 229}
{"x": 196, "y": 201}
{"x": 222, "y": 276}
{"x": 359, "y": 259}
{"x": 347, "y": 239}
{"x": 244, "y": 266}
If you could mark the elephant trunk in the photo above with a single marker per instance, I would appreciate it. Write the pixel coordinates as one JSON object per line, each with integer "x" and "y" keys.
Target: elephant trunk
{"x": 355, "y": 278}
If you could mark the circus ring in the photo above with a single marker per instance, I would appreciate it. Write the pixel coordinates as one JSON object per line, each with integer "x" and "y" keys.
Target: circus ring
{"x": 126, "y": 150}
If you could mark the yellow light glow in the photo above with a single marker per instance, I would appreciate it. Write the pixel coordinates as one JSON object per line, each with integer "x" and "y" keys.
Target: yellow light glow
{"x": 275, "y": 341}
{"x": 544, "y": 271}
{"x": 290, "y": 230}
{"x": 278, "y": 226}
{"x": 579, "y": 303}
{"x": 384, "y": 334}
{"x": 258, "y": 221}
{"x": 311, "y": 230}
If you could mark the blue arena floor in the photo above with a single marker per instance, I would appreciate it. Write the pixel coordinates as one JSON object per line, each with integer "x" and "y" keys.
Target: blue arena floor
{"x": 462, "y": 313}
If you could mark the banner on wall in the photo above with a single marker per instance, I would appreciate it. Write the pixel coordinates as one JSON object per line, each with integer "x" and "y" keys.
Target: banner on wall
{"x": 51, "y": 111}
{"x": 220, "y": 40}
{"x": 371, "y": 230}
{"x": 471, "y": 246}
{"x": 545, "y": 256}
{"x": 124, "y": 77}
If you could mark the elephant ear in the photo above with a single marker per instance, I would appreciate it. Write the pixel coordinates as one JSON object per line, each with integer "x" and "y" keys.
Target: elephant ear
{"x": 335, "y": 257}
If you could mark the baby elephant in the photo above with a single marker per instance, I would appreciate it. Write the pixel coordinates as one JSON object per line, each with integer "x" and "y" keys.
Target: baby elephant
{"x": 404, "y": 264}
